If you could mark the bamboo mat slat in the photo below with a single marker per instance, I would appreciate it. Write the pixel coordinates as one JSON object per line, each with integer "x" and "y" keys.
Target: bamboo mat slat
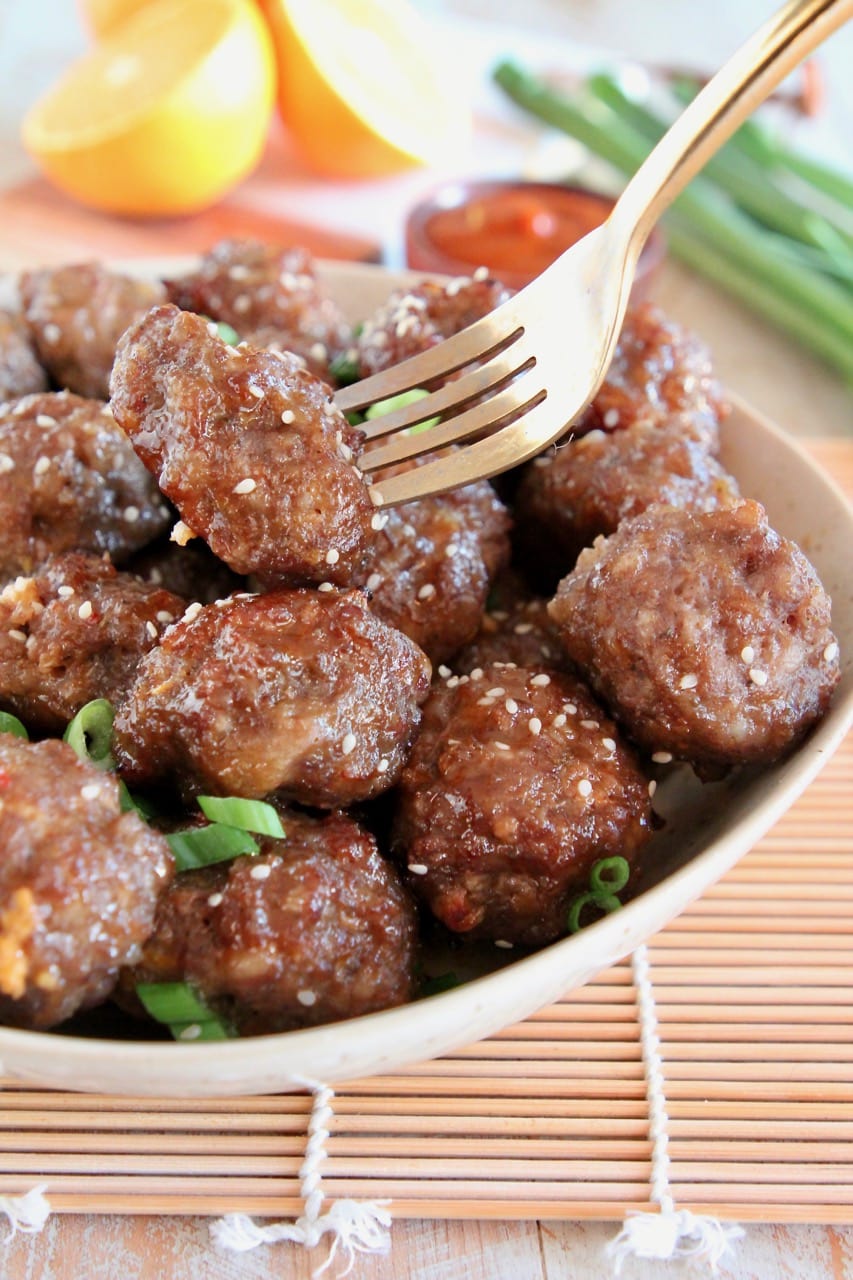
{"x": 547, "y": 1119}
{"x": 753, "y": 987}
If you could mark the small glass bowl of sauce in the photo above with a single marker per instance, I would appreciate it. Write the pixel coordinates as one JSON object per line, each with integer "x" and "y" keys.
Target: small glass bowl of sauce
{"x": 514, "y": 228}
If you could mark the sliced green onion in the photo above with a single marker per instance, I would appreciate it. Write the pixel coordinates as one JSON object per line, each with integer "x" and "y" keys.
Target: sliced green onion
{"x": 400, "y": 402}
{"x": 90, "y": 733}
{"x": 603, "y": 901}
{"x": 204, "y": 846}
{"x": 182, "y": 1010}
{"x": 345, "y": 368}
{"x": 609, "y": 875}
{"x": 248, "y": 815}
{"x": 11, "y": 724}
{"x": 227, "y": 333}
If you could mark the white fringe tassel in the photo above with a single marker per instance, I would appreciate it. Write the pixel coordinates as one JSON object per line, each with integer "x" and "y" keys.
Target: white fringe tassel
{"x": 671, "y": 1233}
{"x": 27, "y": 1213}
{"x": 354, "y": 1226}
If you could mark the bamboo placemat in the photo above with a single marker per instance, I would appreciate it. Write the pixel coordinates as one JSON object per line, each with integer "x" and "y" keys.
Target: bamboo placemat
{"x": 549, "y": 1119}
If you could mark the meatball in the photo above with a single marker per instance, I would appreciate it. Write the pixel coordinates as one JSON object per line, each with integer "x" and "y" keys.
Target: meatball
{"x": 515, "y": 630}
{"x": 433, "y": 564}
{"x": 248, "y": 446}
{"x": 517, "y": 784}
{"x": 74, "y": 632}
{"x": 191, "y": 571}
{"x": 76, "y": 315}
{"x": 20, "y": 372}
{"x": 71, "y": 481}
{"x": 300, "y": 692}
{"x": 658, "y": 369}
{"x": 570, "y": 495}
{"x": 270, "y": 296}
{"x": 707, "y": 634}
{"x": 79, "y": 882}
{"x": 315, "y": 928}
{"x": 422, "y": 317}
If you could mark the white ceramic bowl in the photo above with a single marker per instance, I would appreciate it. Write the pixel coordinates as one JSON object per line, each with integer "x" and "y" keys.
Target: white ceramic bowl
{"x": 708, "y": 829}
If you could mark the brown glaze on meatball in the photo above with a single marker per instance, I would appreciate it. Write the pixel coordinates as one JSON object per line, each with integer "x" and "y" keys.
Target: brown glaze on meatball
{"x": 71, "y": 481}
{"x": 659, "y": 369}
{"x": 516, "y": 785}
{"x": 433, "y": 563}
{"x": 300, "y": 692}
{"x": 570, "y": 495}
{"x": 79, "y": 882}
{"x": 421, "y": 317}
{"x": 515, "y": 629}
{"x": 315, "y": 928}
{"x": 76, "y": 315}
{"x": 707, "y": 634}
{"x": 74, "y": 632}
{"x": 270, "y": 296}
{"x": 249, "y": 448}
{"x": 20, "y": 372}
{"x": 192, "y": 571}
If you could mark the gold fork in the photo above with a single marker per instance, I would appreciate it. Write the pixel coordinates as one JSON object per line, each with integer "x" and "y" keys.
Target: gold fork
{"x": 540, "y": 357}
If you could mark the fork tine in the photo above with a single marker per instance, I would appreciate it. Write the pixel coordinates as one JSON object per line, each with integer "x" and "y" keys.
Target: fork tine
{"x": 513, "y": 444}
{"x": 479, "y": 341}
{"x": 521, "y": 395}
{"x": 510, "y": 362}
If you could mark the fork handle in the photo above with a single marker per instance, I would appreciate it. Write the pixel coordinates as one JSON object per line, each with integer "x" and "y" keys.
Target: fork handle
{"x": 723, "y": 104}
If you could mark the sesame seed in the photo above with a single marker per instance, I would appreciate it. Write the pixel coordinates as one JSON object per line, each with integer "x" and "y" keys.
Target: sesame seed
{"x": 559, "y": 720}
{"x": 611, "y": 418}
{"x": 688, "y": 681}
{"x": 15, "y": 634}
{"x": 65, "y": 591}
{"x": 326, "y": 586}
{"x": 662, "y": 757}
{"x": 254, "y": 390}
{"x": 374, "y": 582}
{"x": 453, "y": 681}
{"x": 191, "y": 612}
{"x": 511, "y": 706}
{"x": 245, "y": 486}
{"x": 589, "y": 724}
{"x": 307, "y": 998}
{"x": 214, "y": 900}
{"x": 653, "y": 786}
{"x": 830, "y": 653}
{"x": 502, "y": 746}
{"x": 497, "y": 692}
{"x": 570, "y": 708}
{"x": 747, "y": 653}
{"x": 333, "y": 555}
{"x": 348, "y": 744}
{"x": 523, "y": 628}
{"x": 503, "y": 944}
{"x": 541, "y": 681}
{"x": 451, "y": 550}
{"x": 609, "y": 743}
{"x": 130, "y": 514}
{"x": 444, "y": 671}
{"x": 758, "y": 676}
{"x": 426, "y": 591}
{"x": 163, "y": 615}
{"x": 191, "y": 1032}
{"x": 242, "y": 303}
{"x": 45, "y": 420}
{"x": 379, "y": 520}
{"x": 151, "y": 629}
{"x": 85, "y": 611}
{"x": 418, "y": 869}
{"x": 477, "y": 673}
{"x": 345, "y": 451}
{"x": 585, "y": 787}
{"x": 383, "y": 766}
{"x": 90, "y": 791}
{"x": 317, "y": 351}
{"x": 288, "y": 417}
{"x": 52, "y": 332}
{"x": 6, "y": 463}
{"x": 484, "y": 702}
{"x": 534, "y": 724}
{"x": 182, "y": 534}
{"x": 262, "y": 871}
{"x": 42, "y": 465}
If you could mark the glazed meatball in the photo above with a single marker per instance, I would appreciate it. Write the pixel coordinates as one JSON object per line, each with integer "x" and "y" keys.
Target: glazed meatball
{"x": 76, "y": 315}
{"x": 71, "y": 481}
{"x": 707, "y": 634}
{"x": 191, "y": 571}
{"x": 20, "y": 372}
{"x": 270, "y": 296}
{"x": 422, "y": 317}
{"x": 433, "y": 564}
{"x": 74, "y": 632}
{"x": 315, "y": 928}
{"x": 300, "y": 692}
{"x": 570, "y": 495}
{"x": 659, "y": 369}
{"x": 516, "y": 785}
{"x": 249, "y": 448}
{"x": 79, "y": 882}
{"x": 515, "y": 629}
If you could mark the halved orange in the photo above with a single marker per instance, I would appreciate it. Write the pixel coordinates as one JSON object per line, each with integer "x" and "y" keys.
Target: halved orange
{"x": 165, "y": 115}
{"x": 361, "y": 89}
{"x": 104, "y": 16}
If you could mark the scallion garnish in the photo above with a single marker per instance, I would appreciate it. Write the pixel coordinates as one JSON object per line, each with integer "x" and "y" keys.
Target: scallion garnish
{"x": 204, "y": 846}
{"x": 90, "y": 733}
{"x": 248, "y": 815}
{"x": 182, "y": 1010}
{"x": 11, "y": 724}
{"x": 227, "y": 333}
{"x": 607, "y": 878}
{"x": 400, "y": 402}
{"x": 345, "y": 369}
